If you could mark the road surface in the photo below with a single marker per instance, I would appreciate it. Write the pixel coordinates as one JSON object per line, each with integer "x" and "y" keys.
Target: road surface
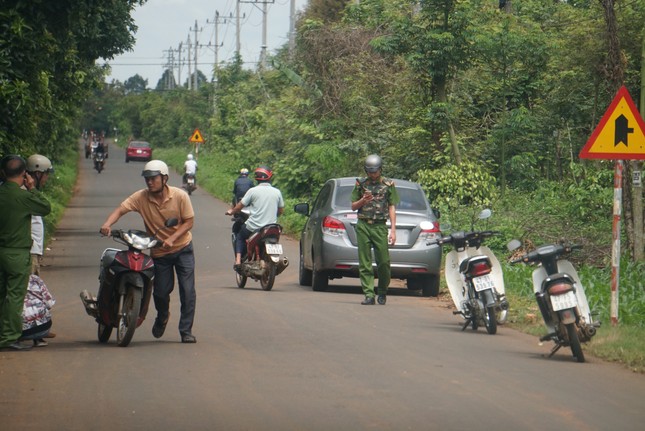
{"x": 289, "y": 359}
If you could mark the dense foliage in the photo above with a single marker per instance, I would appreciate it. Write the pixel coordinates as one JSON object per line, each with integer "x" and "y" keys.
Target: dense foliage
{"x": 47, "y": 70}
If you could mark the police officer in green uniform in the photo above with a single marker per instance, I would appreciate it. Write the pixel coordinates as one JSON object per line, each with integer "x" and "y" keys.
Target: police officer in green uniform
{"x": 375, "y": 198}
{"x": 18, "y": 205}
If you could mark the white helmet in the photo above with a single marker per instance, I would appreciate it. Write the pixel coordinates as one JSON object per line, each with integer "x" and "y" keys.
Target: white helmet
{"x": 154, "y": 168}
{"x": 38, "y": 163}
{"x": 190, "y": 157}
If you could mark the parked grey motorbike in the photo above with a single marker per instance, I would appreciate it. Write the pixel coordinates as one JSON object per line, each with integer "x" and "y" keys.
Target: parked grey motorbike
{"x": 560, "y": 296}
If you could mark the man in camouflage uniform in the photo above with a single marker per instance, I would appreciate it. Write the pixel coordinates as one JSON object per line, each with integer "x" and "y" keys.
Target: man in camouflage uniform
{"x": 375, "y": 198}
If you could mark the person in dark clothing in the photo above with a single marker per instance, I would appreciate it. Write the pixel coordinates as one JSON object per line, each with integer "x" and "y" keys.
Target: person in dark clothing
{"x": 242, "y": 185}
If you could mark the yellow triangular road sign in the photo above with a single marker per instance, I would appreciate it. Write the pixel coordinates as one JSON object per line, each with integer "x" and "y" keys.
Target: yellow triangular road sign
{"x": 197, "y": 137}
{"x": 620, "y": 133}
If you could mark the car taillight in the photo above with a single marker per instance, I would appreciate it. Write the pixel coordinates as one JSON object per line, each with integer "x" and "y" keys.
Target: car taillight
{"x": 429, "y": 231}
{"x": 333, "y": 226}
{"x": 479, "y": 268}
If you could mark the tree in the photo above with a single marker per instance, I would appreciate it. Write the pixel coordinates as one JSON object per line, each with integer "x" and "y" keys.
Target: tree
{"x": 135, "y": 84}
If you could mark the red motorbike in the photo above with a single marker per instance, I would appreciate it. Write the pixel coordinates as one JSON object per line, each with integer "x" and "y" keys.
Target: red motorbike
{"x": 262, "y": 259}
{"x": 125, "y": 285}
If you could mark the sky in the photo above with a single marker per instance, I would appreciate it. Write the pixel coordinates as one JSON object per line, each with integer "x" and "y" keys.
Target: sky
{"x": 164, "y": 24}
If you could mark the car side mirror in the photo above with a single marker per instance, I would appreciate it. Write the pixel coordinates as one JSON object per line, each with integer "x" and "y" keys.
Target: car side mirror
{"x": 302, "y": 208}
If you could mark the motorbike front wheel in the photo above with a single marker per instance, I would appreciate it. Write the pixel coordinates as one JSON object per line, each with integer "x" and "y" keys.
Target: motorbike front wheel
{"x": 268, "y": 277}
{"x": 574, "y": 342}
{"x": 104, "y": 332}
{"x": 240, "y": 279}
{"x": 129, "y": 306}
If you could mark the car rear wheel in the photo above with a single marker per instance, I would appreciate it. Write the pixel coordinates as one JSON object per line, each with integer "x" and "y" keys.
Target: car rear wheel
{"x": 429, "y": 285}
{"x": 319, "y": 280}
{"x": 304, "y": 275}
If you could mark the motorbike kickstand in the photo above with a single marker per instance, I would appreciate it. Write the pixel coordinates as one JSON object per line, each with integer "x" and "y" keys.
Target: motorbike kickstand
{"x": 555, "y": 349}
{"x": 468, "y": 322}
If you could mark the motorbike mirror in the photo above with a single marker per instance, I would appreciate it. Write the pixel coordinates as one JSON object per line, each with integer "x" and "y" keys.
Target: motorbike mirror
{"x": 513, "y": 245}
{"x": 171, "y": 222}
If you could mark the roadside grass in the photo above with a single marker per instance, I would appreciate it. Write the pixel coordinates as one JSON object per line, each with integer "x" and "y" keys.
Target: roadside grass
{"x": 624, "y": 344}
{"x": 60, "y": 188}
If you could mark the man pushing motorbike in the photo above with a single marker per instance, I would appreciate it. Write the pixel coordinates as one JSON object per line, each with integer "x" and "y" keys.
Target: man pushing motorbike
{"x": 157, "y": 203}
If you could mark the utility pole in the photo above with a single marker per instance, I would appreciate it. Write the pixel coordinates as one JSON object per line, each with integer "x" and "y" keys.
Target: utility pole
{"x": 189, "y": 75}
{"x": 179, "y": 65}
{"x": 292, "y": 28}
{"x": 263, "y": 47}
{"x": 196, "y": 29}
{"x": 216, "y": 22}
{"x": 169, "y": 67}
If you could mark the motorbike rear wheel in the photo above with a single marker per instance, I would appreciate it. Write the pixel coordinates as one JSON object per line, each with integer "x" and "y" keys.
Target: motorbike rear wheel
{"x": 490, "y": 320}
{"x": 129, "y": 306}
{"x": 574, "y": 342}
{"x": 268, "y": 277}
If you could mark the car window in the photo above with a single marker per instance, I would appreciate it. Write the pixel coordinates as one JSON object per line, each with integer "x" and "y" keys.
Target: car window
{"x": 411, "y": 199}
{"x": 139, "y": 144}
{"x": 343, "y": 197}
{"x": 322, "y": 198}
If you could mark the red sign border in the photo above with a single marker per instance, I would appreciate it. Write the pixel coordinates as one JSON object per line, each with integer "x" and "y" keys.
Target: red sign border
{"x": 585, "y": 154}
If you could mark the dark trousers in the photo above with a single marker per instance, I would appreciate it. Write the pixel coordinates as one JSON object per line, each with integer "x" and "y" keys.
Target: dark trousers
{"x": 182, "y": 263}
{"x": 240, "y": 240}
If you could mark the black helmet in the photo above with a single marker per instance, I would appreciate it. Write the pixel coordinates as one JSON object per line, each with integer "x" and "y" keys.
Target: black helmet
{"x": 263, "y": 173}
{"x": 373, "y": 163}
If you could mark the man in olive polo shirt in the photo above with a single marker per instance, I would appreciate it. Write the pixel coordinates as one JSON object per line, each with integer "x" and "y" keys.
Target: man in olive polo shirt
{"x": 157, "y": 203}
{"x": 18, "y": 205}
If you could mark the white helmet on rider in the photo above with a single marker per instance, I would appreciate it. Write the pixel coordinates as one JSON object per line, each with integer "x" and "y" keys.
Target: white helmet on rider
{"x": 38, "y": 163}
{"x": 189, "y": 157}
{"x": 154, "y": 168}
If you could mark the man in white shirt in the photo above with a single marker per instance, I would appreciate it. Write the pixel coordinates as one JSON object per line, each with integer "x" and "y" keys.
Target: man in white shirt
{"x": 190, "y": 168}
{"x": 266, "y": 204}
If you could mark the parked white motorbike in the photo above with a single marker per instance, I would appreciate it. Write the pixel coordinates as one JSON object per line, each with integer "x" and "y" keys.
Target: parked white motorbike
{"x": 560, "y": 297}
{"x": 475, "y": 279}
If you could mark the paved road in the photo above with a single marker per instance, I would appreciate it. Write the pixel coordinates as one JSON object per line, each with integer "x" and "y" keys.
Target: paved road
{"x": 289, "y": 359}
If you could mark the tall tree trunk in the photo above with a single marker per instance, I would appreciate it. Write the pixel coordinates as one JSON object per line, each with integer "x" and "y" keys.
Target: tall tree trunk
{"x": 442, "y": 97}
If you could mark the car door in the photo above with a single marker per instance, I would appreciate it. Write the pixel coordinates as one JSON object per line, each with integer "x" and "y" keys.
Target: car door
{"x": 312, "y": 233}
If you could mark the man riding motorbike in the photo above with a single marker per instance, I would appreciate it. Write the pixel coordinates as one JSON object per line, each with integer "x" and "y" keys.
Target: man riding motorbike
{"x": 265, "y": 203}
{"x": 242, "y": 185}
{"x": 190, "y": 168}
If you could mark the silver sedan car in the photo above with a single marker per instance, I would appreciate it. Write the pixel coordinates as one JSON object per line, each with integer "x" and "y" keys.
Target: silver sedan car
{"x": 329, "y": 249}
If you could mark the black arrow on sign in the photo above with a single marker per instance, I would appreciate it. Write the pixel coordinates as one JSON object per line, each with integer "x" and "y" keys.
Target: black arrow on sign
{"x": 622, "y": 130}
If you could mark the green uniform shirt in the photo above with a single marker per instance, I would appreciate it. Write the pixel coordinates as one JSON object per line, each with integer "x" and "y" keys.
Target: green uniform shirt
{"x": 384, "y": 193}
{"x": 18, "y": 205}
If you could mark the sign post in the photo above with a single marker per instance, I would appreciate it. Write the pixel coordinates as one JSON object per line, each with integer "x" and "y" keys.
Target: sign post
{"x": 619, "y": 136}
{"x": 197, "y": 139}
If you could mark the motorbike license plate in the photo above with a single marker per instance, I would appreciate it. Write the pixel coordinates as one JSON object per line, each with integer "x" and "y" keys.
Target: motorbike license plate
{"x": 191, "y": 181}
{"x": 483, "y": 282}
{"x": 274, "y": 248}
{"x": 562, "y": 302}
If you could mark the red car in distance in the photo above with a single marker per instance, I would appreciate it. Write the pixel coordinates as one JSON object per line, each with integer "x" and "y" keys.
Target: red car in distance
{"x": 138, "y": 150}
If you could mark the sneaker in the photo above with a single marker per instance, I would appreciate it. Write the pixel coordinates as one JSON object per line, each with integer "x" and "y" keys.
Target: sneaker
{"x": 188, "y": 338}
{"x": 368, "y": 301}
{"x": 381, "y": 299}
{"x": 159, "y": 327}
{"x": 40, "y": 343}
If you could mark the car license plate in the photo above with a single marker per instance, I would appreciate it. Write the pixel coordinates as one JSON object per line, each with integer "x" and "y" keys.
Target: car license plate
{"x": 562, "y": 302}
{"x": 274, "y": 248}
{"x": 483, "y": 282}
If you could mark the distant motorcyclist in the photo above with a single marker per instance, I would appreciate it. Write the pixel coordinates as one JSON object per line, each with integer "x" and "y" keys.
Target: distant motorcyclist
{"x": 242, "y": 185}
{"x": 190, "y": 168}
{"x": 265, "y": 203}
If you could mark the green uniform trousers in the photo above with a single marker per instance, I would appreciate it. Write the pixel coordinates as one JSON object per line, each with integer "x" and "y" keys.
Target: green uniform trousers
{"x": 15, "y": 265}
{"x": 373, "y": 236}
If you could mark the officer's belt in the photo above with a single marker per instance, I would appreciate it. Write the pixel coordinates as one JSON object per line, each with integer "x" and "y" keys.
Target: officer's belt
{"x": 372, "y": 221}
